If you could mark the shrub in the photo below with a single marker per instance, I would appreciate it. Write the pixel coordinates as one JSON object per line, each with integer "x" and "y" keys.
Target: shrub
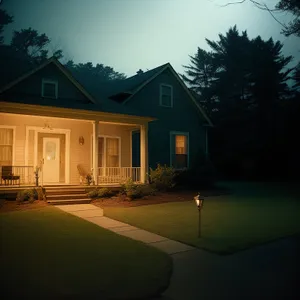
{"x": 100, "y": 193}
{"x": 105, "y": 192}
{"x": 162, "y": 177}
{"x": 27, "y": 195}
{"x": 128, "y": 187}
{"x": 147, "y": 190}
{"x": 134, "y": 191}
{"x": 93, "y": 193}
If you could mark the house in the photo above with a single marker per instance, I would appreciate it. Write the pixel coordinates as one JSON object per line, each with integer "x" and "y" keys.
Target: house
{"x": 67, "y": 127}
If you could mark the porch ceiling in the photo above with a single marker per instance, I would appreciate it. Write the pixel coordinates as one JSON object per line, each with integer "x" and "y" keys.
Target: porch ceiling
{"x": 77, "y": 114}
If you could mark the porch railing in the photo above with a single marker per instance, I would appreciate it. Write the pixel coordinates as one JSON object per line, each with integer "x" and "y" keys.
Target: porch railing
{"x": 25, "y": 172}
{"x": 118, "y": 174}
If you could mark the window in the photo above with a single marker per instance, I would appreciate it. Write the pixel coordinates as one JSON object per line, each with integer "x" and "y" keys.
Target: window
{"x": 108, "y": 152}
{"x": 112, "y": 152}
{"x": 49, "y": 88}
{"x": 166, "y": 95}
{"x": 179, "y": 150}
{"x": 6, "y": 146}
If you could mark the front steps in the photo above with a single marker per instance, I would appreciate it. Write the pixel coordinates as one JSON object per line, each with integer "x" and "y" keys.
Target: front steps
{"x": 66, "y": 195}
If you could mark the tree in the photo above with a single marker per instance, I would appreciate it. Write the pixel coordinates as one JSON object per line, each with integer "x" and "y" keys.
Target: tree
{"x": 248, "y": 82}
{"x": 32, "y": 44}
{"x": 86, "y": 72}
{"x": 218, "y": 76}
{"x": 290, "y": 6}
{"x": 199, "y": 76}
{"x": 5, "y": 19}
{"x": 296, "y": 76}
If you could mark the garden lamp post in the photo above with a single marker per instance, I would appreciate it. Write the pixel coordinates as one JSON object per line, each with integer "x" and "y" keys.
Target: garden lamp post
{"x": 199, "y": 202}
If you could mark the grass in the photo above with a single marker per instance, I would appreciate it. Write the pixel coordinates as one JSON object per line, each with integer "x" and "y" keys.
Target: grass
{"x": 46, "y": 253}
{"x": 253, "y": 214}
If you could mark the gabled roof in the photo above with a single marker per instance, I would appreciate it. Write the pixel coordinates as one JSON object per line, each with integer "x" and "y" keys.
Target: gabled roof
{"x": 109, "y": 89}
{"x": 97, "y": 103}
{"x": 49, "y": 61}
{"x": 132, "y": 84}
{"x": 135, "y": 83}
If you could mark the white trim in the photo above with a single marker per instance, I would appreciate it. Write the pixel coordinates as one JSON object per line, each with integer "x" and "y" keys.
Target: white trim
{"x": 130, "y": 148}
{"x": 104, "y": 146}
{"x": 66, "y": 132}
{"x": 91, "y": 152}
{"x": 26, "y": 146}
{"x": 51, "y": 81}
{"x": 160, "y": 94}
{"x": 187, "y": 134}
{"x": 144, "y": 165}
{"x": 14, "y": 128}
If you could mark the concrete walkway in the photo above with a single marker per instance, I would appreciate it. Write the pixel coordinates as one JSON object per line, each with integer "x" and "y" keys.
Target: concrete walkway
{"x": 94, "y": 214}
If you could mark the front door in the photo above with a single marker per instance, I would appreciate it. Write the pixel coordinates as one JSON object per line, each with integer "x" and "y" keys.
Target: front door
{"x": 51, "y": 158}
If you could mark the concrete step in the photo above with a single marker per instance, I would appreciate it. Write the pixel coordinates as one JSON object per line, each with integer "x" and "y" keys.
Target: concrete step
{"x": 65, "y": 191}
{"x": 69, "y": 201}
{"x": 65, "y": 196}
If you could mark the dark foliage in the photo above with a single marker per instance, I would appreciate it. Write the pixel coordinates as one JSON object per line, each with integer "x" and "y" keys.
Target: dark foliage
{"x": 247, "y": 96}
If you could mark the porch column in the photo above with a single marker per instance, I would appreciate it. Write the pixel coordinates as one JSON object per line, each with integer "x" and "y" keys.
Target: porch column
{"x": 95, "y": 150}
{"x": 144, "y": 152}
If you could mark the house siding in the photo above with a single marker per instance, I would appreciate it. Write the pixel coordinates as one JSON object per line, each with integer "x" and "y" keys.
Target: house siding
{"x": 30, "y": 89}
{"x": 183, "y": 117}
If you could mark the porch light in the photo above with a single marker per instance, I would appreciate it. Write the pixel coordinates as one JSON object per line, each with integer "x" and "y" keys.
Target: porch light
{"x": 199, "y": 202}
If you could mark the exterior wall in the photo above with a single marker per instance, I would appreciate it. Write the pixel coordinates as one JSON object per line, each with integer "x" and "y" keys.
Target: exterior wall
{"x": 182, "y": 117}
{"x": 79, "y": 154}
{"x": 30, "y": 89}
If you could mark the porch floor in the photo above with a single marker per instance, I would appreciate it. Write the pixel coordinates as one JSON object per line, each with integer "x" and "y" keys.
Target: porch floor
{"x": 13, "y": 188}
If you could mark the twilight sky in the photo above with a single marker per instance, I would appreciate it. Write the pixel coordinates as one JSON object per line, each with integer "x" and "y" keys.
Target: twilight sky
{"x": 132, "y": 34}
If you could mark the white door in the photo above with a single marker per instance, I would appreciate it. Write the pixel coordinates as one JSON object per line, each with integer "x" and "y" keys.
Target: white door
{"x": 51, "y": 156}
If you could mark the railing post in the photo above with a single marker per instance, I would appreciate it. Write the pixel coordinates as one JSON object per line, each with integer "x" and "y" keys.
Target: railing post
{"x": 144, "y": 151}
{"x": 95, "y": 150}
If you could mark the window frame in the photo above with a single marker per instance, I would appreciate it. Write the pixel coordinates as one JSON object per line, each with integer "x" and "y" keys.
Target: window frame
{"x": 14, "y": 141}
{"x": 161, "y": 94}
{"x": 51, "y": 81}
{"x": 105, "y": 150}
{"x": 173, "y": 135}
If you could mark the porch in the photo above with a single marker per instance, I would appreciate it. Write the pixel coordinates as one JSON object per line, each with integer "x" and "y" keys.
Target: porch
{"x": 23, "y": 176}
{"x": 56, "y": 146}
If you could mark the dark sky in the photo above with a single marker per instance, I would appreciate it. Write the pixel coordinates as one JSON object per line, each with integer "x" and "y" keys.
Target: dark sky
{"x": 132, "y": 34}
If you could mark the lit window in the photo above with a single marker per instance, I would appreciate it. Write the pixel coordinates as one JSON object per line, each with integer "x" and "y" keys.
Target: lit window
{"x": 166, "y": 95}
{"x": 49, "y": 89}
{"x": 6, "y": 146}
{"x": 179, "y": 150}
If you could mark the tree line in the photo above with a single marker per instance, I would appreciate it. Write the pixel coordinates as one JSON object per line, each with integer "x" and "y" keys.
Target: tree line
{"x": 34, "y": 48}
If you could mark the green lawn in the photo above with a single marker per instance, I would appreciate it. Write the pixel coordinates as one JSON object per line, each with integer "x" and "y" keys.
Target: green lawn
{"x": 253, "y": 214}
{"x": 47, "y": 253}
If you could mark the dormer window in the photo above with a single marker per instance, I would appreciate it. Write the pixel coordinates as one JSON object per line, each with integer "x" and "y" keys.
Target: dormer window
{"x": 49, "y": 88}
{"x": 166, "y": 95}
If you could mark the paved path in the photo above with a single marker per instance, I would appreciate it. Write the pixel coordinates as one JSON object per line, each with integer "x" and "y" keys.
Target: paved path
{"x": 270, "y": 271}
{"x": 94, "y": 214}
